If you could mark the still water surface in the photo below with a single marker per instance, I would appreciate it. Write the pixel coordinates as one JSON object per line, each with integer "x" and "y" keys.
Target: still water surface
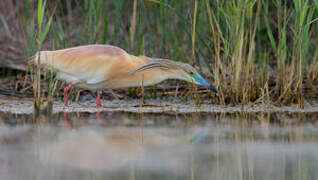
{"x": 159, "y": 146}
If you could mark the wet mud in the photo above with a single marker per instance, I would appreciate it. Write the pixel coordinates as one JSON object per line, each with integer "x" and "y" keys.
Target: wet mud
{"x": 25, "y": 106}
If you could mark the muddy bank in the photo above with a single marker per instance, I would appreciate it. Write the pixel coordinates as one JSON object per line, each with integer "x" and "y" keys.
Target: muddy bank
{"x": 25, "y": 106}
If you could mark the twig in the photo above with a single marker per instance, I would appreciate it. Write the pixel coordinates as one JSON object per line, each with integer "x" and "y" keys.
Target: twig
{"x": 142, "y": 91}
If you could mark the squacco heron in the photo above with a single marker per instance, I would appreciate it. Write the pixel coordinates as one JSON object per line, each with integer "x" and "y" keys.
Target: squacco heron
{"x": 98, "y": 67}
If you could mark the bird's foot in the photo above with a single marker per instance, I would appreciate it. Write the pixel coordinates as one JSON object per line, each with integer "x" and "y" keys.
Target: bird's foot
{"x": 66, "y": 89}
{"x": 98, "y": 102}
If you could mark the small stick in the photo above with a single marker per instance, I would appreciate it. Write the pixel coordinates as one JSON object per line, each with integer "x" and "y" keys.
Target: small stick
{"x": 77, "y": 95}
{"x": 142, "y": 91}
{"x": 196, "y": 96}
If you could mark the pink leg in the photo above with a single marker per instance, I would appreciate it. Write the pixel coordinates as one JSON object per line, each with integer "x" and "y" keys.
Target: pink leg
{"x": 65, "y": 93}
{"x": 98, "y": 103}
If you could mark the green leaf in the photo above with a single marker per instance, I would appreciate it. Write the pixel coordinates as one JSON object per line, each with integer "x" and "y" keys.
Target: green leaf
{"x": 316, "y": 3}
{"x": 46, "y": 30}
{"x": 40, "y": 13}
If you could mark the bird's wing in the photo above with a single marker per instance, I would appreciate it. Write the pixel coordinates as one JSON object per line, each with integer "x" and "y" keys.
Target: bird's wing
{"x": 87, "y": 64}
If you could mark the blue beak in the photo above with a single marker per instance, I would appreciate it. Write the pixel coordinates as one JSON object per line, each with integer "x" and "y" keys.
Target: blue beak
{"x": 204, "y": 83}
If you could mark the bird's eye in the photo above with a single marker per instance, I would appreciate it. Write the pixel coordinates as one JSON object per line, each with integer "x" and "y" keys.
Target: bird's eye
{"x": 191, "y": 73}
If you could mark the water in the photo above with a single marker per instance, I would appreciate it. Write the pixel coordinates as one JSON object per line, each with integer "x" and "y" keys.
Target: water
{"x": 122, "y": 145}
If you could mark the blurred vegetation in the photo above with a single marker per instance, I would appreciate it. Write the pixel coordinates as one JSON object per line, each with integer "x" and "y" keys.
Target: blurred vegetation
{"x": 261, "y": 51}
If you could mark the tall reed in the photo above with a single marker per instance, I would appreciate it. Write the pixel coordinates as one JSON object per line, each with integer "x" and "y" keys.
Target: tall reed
{"x": 41, "y": 33}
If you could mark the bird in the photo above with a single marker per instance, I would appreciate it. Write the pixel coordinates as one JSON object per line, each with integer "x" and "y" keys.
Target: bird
{"x": 97, "y": 67}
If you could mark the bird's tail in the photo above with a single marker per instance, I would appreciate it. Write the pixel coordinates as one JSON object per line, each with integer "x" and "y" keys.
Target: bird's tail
{"x": 36, "y": 58}
{"x": 31, "y": 60}
{"x": 40, "y": 58}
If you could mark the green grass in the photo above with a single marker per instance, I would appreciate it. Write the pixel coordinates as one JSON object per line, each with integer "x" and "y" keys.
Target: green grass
{"x": 251, "y": 51}
{"x": 43, "y": 23}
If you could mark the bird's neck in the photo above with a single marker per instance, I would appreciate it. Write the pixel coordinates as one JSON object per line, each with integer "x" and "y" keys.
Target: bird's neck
{"x": 138, "y": 61}
{"x": 145, "y": 77}
{"x": 157, "y": 74}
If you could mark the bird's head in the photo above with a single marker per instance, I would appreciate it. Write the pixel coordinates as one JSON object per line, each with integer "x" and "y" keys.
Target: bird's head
{"x": 177, "y": 70}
